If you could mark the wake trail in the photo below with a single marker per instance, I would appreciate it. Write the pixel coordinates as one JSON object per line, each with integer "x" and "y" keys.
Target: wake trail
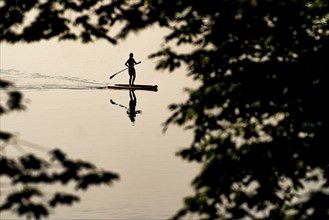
{"x": 38, "y": 81}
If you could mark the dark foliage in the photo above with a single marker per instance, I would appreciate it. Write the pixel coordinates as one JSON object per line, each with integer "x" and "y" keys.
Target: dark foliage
{"x": 28, "y": 174}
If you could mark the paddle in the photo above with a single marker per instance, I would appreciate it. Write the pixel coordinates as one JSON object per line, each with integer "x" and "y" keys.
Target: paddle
{"x": 114, "y": 103}
{"x": 121, "y": 71}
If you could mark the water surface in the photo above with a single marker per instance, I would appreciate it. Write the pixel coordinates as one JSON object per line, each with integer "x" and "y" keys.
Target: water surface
{"x": 69, "y": 107}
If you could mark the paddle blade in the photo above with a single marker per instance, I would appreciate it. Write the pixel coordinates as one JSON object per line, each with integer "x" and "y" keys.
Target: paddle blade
{"x": 112, "y": 76}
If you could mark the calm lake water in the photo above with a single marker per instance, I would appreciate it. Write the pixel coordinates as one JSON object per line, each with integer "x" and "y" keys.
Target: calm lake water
{"x": 68, "y": 107}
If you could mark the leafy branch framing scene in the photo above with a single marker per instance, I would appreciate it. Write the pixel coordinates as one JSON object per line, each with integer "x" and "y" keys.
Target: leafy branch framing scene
{"x": 257, "y": 115}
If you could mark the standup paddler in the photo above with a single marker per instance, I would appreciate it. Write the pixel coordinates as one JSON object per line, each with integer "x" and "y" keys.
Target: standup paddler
{"x": 130, "y": 63}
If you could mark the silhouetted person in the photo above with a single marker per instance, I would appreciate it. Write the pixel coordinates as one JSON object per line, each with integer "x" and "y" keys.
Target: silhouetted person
{"x": 130, "y": 63}
{"x": 131, "y": 111}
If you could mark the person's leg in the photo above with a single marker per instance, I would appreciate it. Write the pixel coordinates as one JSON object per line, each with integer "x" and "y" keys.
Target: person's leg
{"x": 130, "y": 72}
{"x": 133, "y": 79}
{"x": 133, "y": 76}
{"x": 130, "y": 79}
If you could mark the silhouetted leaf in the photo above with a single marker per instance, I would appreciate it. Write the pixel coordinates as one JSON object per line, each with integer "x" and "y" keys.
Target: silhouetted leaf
{"x": 63, "y": 199}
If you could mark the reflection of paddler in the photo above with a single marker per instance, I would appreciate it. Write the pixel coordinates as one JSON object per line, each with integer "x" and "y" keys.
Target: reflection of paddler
{"x": 131, "y": 111}
{"x": 132, "y": 106}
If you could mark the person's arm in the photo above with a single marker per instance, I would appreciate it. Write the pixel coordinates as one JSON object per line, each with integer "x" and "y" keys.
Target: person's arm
{"x": 126, "y": 63}
{"x": 137, "y": 62}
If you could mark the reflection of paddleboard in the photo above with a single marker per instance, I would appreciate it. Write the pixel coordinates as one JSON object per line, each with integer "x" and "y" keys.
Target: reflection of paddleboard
{"x": 134, "y": 87}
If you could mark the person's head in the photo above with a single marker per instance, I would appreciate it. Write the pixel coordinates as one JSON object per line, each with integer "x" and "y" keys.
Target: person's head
{"x": 131, "y": 55}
